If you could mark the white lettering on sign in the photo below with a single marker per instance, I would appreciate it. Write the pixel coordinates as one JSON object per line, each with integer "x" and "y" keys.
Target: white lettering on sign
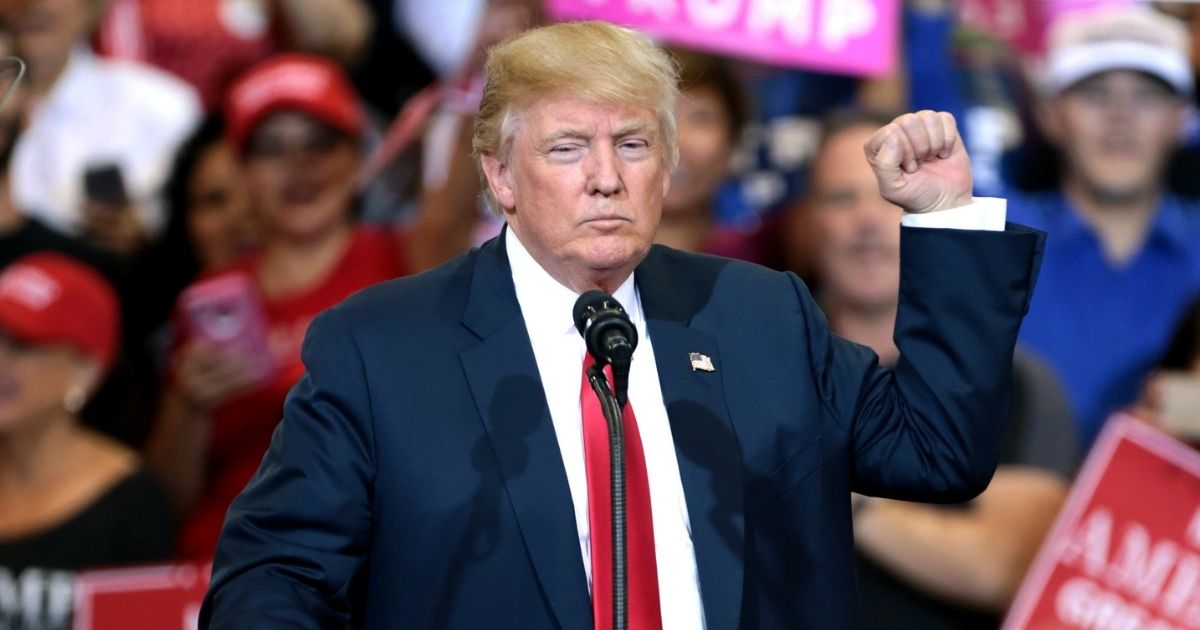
{"x": 844, "y": 20}
{"x": 662, "y": 9}
{"x": 1182, "y": 597}
{"x": 1140, "y": 568}
{"x": 715, "y": 15}
{"x": 1088, "y": 545}
{"x": 1081, "y": 603}
{"x": 793, "y": 17}
{"x": 1159, "y": 573}
{"x": 1193, "y": 531}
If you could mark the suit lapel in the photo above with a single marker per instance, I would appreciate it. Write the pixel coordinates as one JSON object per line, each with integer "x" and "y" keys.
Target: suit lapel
{"x": 507, "y": 389}
{"x": 705, "y": 445}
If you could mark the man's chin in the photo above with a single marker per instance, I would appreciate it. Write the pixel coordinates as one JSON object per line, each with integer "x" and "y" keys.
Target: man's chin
{"x": 613, "y": 253}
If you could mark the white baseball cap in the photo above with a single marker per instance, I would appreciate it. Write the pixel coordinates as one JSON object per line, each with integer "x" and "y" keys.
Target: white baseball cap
{"x": 1130, "y": 37}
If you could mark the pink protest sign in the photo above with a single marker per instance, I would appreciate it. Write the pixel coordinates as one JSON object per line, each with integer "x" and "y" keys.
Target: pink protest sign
{"x": 843, "y": 36}
{"x": 1125, "y": 551}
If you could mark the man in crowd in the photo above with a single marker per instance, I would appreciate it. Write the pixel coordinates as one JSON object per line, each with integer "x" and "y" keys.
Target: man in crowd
{"x": 441, "y": 465}
{"x": 1124, "y": 254}
{"x": 927, "y": 566}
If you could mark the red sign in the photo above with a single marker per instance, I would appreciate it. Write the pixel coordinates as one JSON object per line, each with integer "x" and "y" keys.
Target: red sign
{"x": 1125, "y": 551}
{"x": 146, "y": 598}
{"x": 1020, "y": 23}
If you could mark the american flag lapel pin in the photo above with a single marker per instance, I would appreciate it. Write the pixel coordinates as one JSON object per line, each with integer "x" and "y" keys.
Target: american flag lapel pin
{"x": 701, "y": 362}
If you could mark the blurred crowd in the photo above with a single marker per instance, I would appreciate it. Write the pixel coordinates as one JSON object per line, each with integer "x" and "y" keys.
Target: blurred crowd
{"x": 185, "y": 184}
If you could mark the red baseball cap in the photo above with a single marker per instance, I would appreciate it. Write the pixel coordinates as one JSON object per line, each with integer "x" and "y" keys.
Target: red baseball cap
{"x": 304, "y": 83}
{"x": 49, "y": 298}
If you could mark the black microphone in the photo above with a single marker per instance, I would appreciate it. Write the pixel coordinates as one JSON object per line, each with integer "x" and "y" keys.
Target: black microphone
{"x": 609, "y": 334}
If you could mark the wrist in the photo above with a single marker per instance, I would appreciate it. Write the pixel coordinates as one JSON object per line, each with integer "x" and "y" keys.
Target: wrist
{"x": 188, "y": 406}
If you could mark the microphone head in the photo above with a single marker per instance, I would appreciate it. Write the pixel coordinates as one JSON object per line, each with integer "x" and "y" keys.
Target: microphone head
{"x": 598, "y": 317}
{"x": 588, "y": 305}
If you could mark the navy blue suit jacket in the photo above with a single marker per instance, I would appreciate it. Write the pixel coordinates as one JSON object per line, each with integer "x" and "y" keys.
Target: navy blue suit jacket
{"x": 416, "y": 482}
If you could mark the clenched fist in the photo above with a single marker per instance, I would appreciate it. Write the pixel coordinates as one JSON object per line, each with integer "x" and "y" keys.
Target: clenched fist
{"x": 920, "y": 162}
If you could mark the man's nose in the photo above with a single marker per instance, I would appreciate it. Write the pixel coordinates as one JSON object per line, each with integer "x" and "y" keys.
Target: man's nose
{"x": 604, "y": 173}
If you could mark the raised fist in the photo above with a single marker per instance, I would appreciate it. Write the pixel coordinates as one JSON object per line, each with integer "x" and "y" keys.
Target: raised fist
{"x": 920, "y": 162}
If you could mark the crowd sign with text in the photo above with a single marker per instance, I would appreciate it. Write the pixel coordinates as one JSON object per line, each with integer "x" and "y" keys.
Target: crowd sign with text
{"x": 843, "y": 36}
{"x": 165, "y": 597}
{"x": 1125, "y": 551}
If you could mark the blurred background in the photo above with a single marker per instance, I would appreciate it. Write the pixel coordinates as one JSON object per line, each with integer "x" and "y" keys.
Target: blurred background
{"x": 185, "y": 184}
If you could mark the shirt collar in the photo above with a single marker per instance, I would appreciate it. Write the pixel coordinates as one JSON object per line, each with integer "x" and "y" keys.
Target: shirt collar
{"x": 1171, "y": 225}
{"x": 1168, "y": 228}
{"x": 547, "y": 305}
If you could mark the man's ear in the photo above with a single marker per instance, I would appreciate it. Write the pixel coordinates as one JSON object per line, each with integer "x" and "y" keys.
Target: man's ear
{"x": 499, "y": 179}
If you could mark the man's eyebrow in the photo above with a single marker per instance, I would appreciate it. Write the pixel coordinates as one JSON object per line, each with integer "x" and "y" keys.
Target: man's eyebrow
{"x": 633, "y": 127}
{"x": 566, "y": 132}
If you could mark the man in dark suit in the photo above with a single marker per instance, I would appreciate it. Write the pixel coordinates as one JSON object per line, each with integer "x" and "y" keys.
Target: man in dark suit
{"x": 431, "y": 470}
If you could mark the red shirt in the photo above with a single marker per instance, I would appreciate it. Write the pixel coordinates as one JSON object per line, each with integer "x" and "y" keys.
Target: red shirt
{"x": 242, "y": 428}
{"x": 204, "y": 42}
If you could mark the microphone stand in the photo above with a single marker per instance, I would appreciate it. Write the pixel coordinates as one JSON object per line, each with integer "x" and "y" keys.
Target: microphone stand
{"x": 616, "y": 450}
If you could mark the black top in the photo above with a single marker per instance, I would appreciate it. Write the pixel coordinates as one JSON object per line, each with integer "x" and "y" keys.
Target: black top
{"x": 32, "y": 237}
{"x": 131, "y": 523}
{"x": 1040, "y": 434}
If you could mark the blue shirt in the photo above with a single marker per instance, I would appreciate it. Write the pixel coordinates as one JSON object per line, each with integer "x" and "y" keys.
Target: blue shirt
{"x": 1103, "y": 327}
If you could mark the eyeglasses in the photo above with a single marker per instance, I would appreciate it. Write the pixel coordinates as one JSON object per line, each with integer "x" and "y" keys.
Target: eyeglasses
{"x": 278, "y": 146}
{"x": 9, "y": 345}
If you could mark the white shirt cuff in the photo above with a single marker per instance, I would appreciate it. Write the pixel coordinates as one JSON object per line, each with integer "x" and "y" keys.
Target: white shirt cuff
{"x": 983, "y": 213}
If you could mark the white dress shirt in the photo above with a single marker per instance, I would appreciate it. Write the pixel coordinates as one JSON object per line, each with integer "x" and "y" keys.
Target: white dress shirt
{"x": 559, "y": 350}
{"x": 102, "y": 111}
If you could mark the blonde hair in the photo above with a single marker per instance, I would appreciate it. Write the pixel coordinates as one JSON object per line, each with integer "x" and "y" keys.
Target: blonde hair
{"x": 594, "y": 61}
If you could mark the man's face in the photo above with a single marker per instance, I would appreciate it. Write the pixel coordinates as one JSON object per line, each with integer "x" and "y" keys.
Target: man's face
{"x": 705, "y": 149}
{"x": 47, "y": 29}
{"x": 858, "y": 233}
{"x": 301, "y": 175}
{"x": 582, "y": 186}
{"x": 1116, "y": 131}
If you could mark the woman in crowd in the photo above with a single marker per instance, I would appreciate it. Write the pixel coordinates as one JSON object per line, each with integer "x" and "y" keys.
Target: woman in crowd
{"x": 295, "y": 122}
{"x": 69, "y": 498}
{"x": 712, "y": 112}
{"x": 211, "y": 226}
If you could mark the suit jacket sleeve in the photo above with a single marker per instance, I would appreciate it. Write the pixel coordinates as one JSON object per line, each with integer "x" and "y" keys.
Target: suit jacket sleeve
{"x": 282, "y": 561}
{"x": 930, "y": 427}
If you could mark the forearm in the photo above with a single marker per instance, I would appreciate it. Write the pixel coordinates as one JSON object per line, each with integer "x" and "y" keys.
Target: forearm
{"x": 336, "y": 28}
{"x": 975, "y": 555}
{"x": 449, "y": 211}
{"x": 177, "y": 450}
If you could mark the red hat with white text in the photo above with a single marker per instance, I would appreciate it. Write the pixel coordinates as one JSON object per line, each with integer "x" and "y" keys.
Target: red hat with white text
{"x": 305, "y": 83}
{"x": 52, "y": 299}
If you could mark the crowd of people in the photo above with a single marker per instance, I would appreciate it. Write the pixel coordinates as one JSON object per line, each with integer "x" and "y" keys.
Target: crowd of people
{"x": 186, "y": 184}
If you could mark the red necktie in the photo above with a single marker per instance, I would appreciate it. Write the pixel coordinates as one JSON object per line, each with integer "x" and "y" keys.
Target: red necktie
{"x": 639, "y": 527}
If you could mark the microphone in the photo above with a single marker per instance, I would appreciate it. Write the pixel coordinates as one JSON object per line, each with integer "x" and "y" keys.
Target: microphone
{"x": 609, "y": 334}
